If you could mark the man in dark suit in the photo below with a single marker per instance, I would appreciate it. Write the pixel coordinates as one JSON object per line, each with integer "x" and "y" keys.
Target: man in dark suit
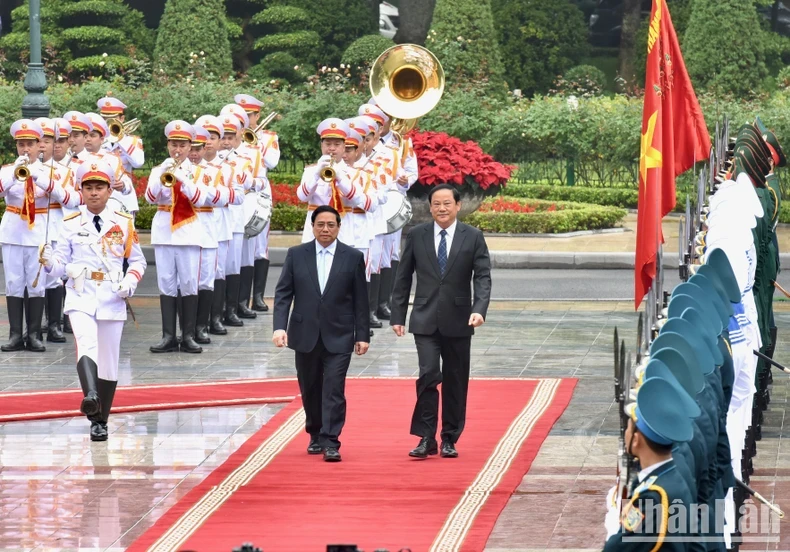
{"x": 446, "y": 255}
{"x": 325, "y": 281}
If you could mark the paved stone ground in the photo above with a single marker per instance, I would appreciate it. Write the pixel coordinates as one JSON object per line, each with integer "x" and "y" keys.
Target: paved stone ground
{"x": 59, "y": 491}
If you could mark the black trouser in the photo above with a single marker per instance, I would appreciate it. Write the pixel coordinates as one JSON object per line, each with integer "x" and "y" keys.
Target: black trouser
{"x": 322, "y": 382}
{"x": 454, "y": 377}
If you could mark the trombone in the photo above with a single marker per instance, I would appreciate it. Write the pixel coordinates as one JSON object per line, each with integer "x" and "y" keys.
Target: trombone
{"x": 250, "y": 135}
{"x": 168, "y": 178}
{"x": 119, "y": 130}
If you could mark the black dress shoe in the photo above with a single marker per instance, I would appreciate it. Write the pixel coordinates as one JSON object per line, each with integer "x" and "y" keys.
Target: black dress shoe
{"x": 314, "y": 447}
{"x": 426, "y": 447}
{"x": 371, "y": 333}
{"x": 331, "y": 454}
{"x": 98, "y": 431}
{"x": 448, "y": 450}
{"x": 384, "y": 312}
{"x": 374, "y": 322}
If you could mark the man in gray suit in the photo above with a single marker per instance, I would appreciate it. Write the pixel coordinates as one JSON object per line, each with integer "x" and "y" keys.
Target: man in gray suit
{"x": 447, "y": 256}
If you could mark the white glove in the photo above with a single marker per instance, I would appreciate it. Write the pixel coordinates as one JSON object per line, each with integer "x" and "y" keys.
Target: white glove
{"x": 324, "y": 162}
{"x": 21, "y": 160}
{"x": 46, "y": 256}
{"x": 612, "y": 519}
{"x": 41, "y": 178}
{"x": 126, "y": 287}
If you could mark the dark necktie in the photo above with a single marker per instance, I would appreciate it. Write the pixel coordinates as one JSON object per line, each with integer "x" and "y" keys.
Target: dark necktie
{"x": 442, "y": 252}
{"x": 97, "y": 223}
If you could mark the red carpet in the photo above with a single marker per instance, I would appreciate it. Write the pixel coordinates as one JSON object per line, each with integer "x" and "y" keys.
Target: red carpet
{"x": 272, "y": 493}
{"x": 65, "y": 403}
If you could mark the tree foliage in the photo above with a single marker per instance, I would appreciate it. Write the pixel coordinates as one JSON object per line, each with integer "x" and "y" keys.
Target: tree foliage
{"x": 192, "y": 26}
{"x": 725, "y": 47}
{"x": 540, "y": 39}
{"x": 75, "y": 34}
{"x": 463, "y": 38}
{"x": 364, "y": 51}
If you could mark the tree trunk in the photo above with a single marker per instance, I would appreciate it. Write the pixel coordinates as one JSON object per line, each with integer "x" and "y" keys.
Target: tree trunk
{"x": 374, "y": 14}
{"x": 631, "y": 17}
{"x": 415, "y": 21}
{"x": 775, "y": 15}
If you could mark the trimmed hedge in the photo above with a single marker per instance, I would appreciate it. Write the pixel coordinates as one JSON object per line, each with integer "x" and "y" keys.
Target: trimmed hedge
{"x": 625, "y": 198}
{"x": 569, "y": 217}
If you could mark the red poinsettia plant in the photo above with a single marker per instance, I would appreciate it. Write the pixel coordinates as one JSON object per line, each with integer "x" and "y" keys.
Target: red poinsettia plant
{"x": 444, "y": 159}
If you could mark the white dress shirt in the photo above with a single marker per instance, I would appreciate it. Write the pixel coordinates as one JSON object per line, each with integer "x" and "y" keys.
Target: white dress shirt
{"x": 448, "y": 238}
{"x": 323, "y": 258}
{"x": 647, "y": 471}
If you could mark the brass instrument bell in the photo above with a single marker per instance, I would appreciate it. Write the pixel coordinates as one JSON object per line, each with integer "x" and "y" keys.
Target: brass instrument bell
{"x": 328, "y": 174}
{"x": 22, "y": 172}
{"x": 118, "y": 129}
{"x": 250, "y": 135}
{"x": 168, "y": 178}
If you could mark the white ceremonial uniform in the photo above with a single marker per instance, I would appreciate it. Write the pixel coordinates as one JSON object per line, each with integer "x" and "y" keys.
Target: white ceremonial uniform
{"x": 64, "y": 178}
{"x": 126, "y": 196}
{"x": 409, "y": 167}
{"x": 376, "y": 185}
{"x": 225, "y": 222}
{"x": 269, "y": 144}
{"x": 260, "y": 244}
{"x": 177, "y": 251}
{"x": 242, "y": 176}
{"x": 130, "y": 151}
{"x": 215, "y": 196}
{"x": 316, "y": 192}
{"x": 20, "y": 242}
{"x": 93, "y": 261}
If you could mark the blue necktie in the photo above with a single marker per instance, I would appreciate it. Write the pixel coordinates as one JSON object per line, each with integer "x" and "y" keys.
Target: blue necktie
{"x": 442, "y": 252}
{"x": 97, "y": 223}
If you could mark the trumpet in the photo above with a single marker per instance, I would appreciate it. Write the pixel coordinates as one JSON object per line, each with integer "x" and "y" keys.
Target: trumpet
{"x": 168, "y": 178}
{"x": 118, "y": 129}
{"x": 22, "y": 172}
{"x": 250, "y": 135}
{"x": 328, "y": 174}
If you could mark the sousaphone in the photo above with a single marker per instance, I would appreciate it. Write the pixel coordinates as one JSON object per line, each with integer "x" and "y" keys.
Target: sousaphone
{"x": 406, "y": 82}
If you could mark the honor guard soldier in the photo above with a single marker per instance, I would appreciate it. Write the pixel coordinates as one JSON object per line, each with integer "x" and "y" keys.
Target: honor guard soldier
{"x": 56, "y": 133}
{"x": 260, "y": 184}
{"x": 329, "y": 182}
{"x": 123, "y": 189}
{"x": 209, "y": 179}
{"x": 225, "y": 222}
{"x": 656, "y": 422}
{"x": 28, "y": 190}
{"x": 127, "y": 146}
{"x": 177, "y": 235}
{"x": 407, "y": 175}
{"x": 94, "y": 242}
{"x": 268, "y": 143}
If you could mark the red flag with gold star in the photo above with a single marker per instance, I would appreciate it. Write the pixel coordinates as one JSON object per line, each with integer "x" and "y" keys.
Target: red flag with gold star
{"x": 674, "y": 137}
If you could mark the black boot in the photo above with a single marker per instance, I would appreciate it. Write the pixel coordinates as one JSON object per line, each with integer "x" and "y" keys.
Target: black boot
{"x": 99, "y": 420}
{"x": 205, "y": 298}
{"x": 54, "y": 310}
{"x": 169, "y": 344}
{"x": 67, "y": 325}
{"x": 217, "y": 306}
{"x": 259, "y": 285}
{"x": 33, "y": 314}
{"x": 88, "y": 373}
{"x": 383, "y": 301}
{"x": 15, "y": 307}
{"x": 232, "y": 301}
{"x": 190, "y": 305}
{"x": 245, "y": 288}
{"x": 373, "y": 297}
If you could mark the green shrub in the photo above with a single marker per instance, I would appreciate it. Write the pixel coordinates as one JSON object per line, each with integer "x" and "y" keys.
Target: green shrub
{"x": 582, "y": 80}
{"x": 713, "y": 64}
{"x": 289, "y": 16}
{"x": 289, "y": 218}
{"x": 539, "y": 39}
{"x": 183, "y": 30}
{"x": 569, "y": 217}
{"x": 144, "y": 217}
{"x": 277, "y": 65}
{"x": 462, "y": 37}
{"x": 364, "y": 50}
{"x": 613, "y": 197}
{"x": 466, "y": 112}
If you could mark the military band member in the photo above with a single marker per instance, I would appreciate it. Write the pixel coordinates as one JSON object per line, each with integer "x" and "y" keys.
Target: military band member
{"x": 129, "y": 148}
{"x": 260, "y": 184}
{"x": 269, "y": 145}
{"x": 242, "y": 166}
{"x": 209, "y": 179}
{"x": 94, "y": 242}
{"x": 61, "y": 151}
{"x": 81, "y": 125}
{"x": 406, "y": 177}
{"x": 341, "y": 192}
{"x": 56, "y": 131}
{"x": 177, "y": 235}
{"x": 225, "y": 222}
{"x": 123, "y": 189}
{"x": 23, "y": 230}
